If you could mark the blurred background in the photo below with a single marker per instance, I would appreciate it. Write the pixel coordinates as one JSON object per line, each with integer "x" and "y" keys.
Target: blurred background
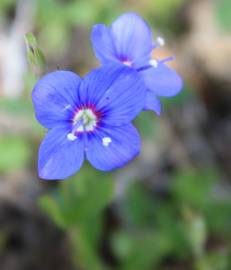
{"x": 170, "y": 209}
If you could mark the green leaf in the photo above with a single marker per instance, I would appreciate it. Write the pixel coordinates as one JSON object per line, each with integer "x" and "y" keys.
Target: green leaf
{"x": 195, "y": 230}
{"x": 219, "y": 259}
{"x": 218, "y": 216}
{"x": 138, "y": 208}
{"x": 82, "y": 197}
{"x": 85, "y": 255}
{"x": 142, "y": 250}
{"x": 194, "y": 188}
{"x": 77, "y": 205}
{"x": 50, "y": 206}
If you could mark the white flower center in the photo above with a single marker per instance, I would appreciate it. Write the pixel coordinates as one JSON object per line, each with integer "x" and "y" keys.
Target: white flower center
{"x": 85, "y": 120}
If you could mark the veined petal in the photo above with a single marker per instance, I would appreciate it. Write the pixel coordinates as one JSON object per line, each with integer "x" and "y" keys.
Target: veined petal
{"x": 103, "y": 43}
{"x": 123, "y": 145}
{"x": 133, "y": 38}
{"x": 98, "y": 81}
{"x": 55, "y": 96}
{"x": 117, "y": 91}
{"x": 162, "y": 80}
{"x": 124, "y": 100}
{"x": 60, "y": 157}
{"x": 152, "y": 103}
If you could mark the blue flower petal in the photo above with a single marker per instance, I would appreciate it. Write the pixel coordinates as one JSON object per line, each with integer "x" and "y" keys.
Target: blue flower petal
{"x": 55, "y": 97}
{"x": 59, "y": 157}
{"x": 103, "y": 43}
{"x": 133, "y": 38}
{"x": 124, "y": 146}
{"x": 98, "y": 81}
{"x": 118, "y": 92}
{"x": 152, "y": 103}
{"x": 162, "y": 80}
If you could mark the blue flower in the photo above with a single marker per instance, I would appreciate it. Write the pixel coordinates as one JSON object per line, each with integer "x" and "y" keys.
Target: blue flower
{"x": 88, "y": 118}
{"x": 129, "y": 41}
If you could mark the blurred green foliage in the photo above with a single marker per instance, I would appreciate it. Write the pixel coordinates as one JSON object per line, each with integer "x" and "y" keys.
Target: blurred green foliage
{"x": 56, "y": 33}
{"x": 72, "y": 198}
{"x": 56, "y": 19}
{"x": 6, "y": 5}
{"x": 153, "y": 226}
{"x": 15, "y": 153}
{"x": 187, "y": 94}
{"x": 15, "y": 149}
{"x": 223, "y": 11}
{"x": 78, "y": 206}
{"x": 16, "y": 107}
{"x": 147, "y": 124}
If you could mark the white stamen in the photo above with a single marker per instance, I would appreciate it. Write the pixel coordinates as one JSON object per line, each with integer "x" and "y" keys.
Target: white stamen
{"x": 160, "y": 41}
{"x": 153, "y": 63}
{"x": 106, "y": 141}
{"x": 71, "y": 137}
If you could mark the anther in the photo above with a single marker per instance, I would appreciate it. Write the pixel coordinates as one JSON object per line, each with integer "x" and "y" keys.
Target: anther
{"x": 153, "y": 63}
{"x": 71, "y": 137}
{"x": 106, "y": 141}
